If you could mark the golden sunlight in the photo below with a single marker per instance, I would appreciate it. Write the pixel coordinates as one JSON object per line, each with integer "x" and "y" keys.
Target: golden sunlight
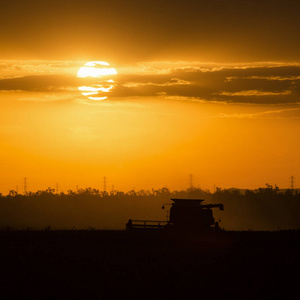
{"x": 95, "y": 80}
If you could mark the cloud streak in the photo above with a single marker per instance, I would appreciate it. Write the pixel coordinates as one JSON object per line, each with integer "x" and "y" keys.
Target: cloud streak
{"x": 250, "y": 93}
{"x": 288, "y": 113}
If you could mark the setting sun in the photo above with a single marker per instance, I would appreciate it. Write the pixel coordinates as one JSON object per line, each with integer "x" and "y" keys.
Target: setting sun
{"x": 96, "y": 69}
{"x": 97, "y": 75}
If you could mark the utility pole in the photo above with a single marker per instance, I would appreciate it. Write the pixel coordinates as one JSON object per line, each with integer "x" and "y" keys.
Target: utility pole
{"x": 292, "y": 183}
{"x": 104, "y": 184}
{"x": 56, "y": 188}
{"x": 25, "y": 185}
{"x": 191, "y": 181}
{"x": 17, "y": 189}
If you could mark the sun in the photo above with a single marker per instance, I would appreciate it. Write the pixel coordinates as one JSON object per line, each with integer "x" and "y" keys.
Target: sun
{"x": 97, "y": 80}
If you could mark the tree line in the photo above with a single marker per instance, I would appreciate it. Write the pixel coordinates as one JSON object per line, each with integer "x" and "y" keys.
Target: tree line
{"x": 267, "y": 208}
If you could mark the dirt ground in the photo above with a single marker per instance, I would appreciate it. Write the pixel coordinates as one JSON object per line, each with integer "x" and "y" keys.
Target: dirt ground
{"x": 148, "y": 265}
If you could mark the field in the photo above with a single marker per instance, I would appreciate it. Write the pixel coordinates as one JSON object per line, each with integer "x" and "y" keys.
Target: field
{"x": 153, "y": 265}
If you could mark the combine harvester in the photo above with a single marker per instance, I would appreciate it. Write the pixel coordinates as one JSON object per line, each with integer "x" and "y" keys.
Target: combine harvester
{"x": 186, "y": 215}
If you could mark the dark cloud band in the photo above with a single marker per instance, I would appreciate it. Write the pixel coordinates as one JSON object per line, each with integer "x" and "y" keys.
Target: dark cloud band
{"x": 255, "y": 85}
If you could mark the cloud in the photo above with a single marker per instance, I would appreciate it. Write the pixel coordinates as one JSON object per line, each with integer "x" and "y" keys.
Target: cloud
{"x": 172, "y": 82}
{"x": 288, "y": 113}
{"x": 40, "y": 83}
{"x": 259, "y": 83}
{"x": 276, "y": 78}
{"x": 242, "y": 83}
{"x": 20, "y": 68}
{"x": 249, "y": 93}
{"x": 50, "y": 97}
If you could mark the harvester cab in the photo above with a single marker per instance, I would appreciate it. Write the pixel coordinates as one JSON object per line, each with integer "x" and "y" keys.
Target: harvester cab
{"x": 191, "y": 214}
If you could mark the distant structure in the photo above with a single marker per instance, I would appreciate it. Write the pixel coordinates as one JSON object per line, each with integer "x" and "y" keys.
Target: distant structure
{"x": 25, "y": 186}
{"x": 292, "y": 183}
{"x": 56, "y": 188}
{"x": 104, "y": 184}
{"x": 191, "y": 181}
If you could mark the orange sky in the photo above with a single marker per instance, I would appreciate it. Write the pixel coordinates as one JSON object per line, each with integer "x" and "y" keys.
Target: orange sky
{"x": 202, "y": 88}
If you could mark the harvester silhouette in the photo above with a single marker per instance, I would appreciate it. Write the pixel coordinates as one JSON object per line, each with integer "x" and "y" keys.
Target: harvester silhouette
{"x": 185, "y": 215}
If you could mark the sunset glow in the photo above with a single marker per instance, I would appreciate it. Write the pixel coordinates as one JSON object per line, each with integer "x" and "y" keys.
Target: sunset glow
{"x": 147, "y": 94}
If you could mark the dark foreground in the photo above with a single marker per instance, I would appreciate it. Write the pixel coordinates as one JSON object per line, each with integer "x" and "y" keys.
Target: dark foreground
{"x": 126, "y": 265}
